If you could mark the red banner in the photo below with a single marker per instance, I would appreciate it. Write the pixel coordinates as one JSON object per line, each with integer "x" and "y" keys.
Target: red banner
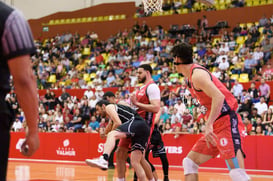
{"x": 79, "y": 146}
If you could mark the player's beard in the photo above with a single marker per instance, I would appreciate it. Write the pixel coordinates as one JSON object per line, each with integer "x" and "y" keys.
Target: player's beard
{"x": 142, "y": 80}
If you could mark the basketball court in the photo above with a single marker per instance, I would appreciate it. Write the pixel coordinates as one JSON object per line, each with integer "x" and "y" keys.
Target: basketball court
{"x": 38, "y": 170}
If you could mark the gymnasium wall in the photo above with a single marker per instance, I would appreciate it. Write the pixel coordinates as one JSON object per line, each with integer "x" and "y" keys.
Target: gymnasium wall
{"x": 79, "y": 146}
{"x": 107, "y": 28}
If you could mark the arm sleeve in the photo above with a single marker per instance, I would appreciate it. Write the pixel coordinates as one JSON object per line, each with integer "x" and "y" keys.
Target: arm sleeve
{"x": 153, "y": 92}
{"x": 17, "y": 38}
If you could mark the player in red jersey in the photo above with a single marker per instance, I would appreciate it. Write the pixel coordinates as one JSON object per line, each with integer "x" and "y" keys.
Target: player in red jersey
{"x": 224, "y": 128}
{"x": 146, "y": 100}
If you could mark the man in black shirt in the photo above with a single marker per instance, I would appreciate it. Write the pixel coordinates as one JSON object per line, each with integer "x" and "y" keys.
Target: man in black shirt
{"x": 127, "y": 123}
{"x": 16, "y": 46}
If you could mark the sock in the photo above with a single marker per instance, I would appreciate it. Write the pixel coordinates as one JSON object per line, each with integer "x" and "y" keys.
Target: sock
{"x": 152, "y": 179}
{"x": 121, "y": 179}
{"x": 105, "y": 156}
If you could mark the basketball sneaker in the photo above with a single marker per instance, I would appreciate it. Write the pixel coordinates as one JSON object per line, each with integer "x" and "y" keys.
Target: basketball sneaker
{"x": 97, "y": 162}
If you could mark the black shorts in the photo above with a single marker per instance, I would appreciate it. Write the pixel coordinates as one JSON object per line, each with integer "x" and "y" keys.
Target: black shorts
{"x": 138, "y": 131}
{"x": 156, "y": 144}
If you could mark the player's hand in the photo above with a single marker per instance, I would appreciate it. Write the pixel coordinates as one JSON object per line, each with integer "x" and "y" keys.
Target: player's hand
{"x": 31, "y": 144}
{"x": 133, "y": 99}
{"x": 211, "y": 138}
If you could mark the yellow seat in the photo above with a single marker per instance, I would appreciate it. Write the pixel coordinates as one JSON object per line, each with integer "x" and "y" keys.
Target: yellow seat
{"x": 86, "y": 51}
{"x": 184, "y": 11}
{"x": 249, "y": 3}
{"x": 123, "y": 16}
{"x": 95, "y": 18}
{"x": 57, "y": 21}
{"x": 216, "y": 40}
{"x": 240, "y": 40}
{"x": 86, "y": 77}
{"x": 92, "y": 75}
{"x": 67, "y": 21}
{"x": 263, "y": 2}
{"x": 84, "y": 19}
{"x": 248, "y": 25}
{"x": 100, "y": 18}
{"x": 234, "y": 76}
{"x": 244, "y": 76}
{"x": 256, "y": 3}
{"x": 52, "y": 78}
{"x": 62, "y": 21}
{"x": 78, "y": 20}
{"x": 153, "y": 65}
{"x": 106, "y": 18}
{"x": 89, "y": 19}
{"x": 269, "y": 1}
{"x": 111, "y": 17}
{"x": 73, "y": 20}
{"x": 51, "y": 22}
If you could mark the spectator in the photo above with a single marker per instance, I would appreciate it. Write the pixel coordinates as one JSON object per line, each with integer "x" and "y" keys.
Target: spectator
{"x": 180, "y": 106}
{"x": 264, "y": 90}
{"x": 248, "y": 125}
{"x": 254, "y": 93}
{"x": 94, "y": 125}
{"x": 17, "y": 125}
{"x": 64, "y": 96}
{"x": 268, "y": 72}
{"x": 261, "y": 106}
{"x": 268, "y": 117}
{"x": 223, "y": 65}
{"x": 237, "y": 89}
{"x": 88, "y": 93}
{"x": 267, "y": 49}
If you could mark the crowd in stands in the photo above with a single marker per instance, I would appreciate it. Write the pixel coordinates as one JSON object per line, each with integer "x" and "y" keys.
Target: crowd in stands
{"x": 86, "y": 62}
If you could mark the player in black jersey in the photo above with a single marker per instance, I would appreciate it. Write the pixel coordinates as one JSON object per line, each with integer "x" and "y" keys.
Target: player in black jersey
{"x": 127, "y": 123}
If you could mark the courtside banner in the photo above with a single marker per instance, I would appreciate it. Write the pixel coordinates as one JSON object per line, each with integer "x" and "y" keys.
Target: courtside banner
{"x": 79, "y": 146}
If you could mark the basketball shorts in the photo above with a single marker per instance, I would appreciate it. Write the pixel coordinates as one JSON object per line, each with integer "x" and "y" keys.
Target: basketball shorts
{"x": 138, "y": 133}
{"x": 156, "y": 144}
{"x": 230, "y": 132}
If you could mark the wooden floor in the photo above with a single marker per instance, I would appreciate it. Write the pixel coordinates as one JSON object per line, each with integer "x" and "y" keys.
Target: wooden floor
{"x": 41, "y": 171}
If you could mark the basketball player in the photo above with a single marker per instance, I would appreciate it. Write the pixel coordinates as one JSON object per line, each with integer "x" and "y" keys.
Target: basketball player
{"x": 110, "y": 96}
{"x": 157, "y": 147}
{"x": 224, "y": 128}
{"x": 147, "y": 102}
{"x": 127, "y": 124}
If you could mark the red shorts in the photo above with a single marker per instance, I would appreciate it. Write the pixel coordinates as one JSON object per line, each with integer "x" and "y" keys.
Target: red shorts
{"x": 230, "y": 132}
{"x": 125, "y": 143}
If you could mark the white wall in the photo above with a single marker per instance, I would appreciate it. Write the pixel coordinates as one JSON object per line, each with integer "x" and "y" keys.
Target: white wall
{"x": 34, "y": 9}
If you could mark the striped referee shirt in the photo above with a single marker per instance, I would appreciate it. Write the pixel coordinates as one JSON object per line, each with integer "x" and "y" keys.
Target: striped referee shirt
{"x": 15, "y": 40}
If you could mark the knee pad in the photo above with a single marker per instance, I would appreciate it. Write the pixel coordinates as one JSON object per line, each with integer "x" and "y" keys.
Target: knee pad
{"x": 189, "y": 166}
{"x": 238, "y": 174}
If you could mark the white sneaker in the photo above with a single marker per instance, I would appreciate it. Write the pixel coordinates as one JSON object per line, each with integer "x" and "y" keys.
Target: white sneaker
{"x": 97, "y": 162}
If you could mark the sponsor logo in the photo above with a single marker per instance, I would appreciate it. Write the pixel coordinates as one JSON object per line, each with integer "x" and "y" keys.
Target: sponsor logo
{"x": 174, "y": 149}
{"x": 65, "y": 150}
{"x": 100, "y": 147}
{"x": 19, "y": 144}
{"x": 223, "y": 142}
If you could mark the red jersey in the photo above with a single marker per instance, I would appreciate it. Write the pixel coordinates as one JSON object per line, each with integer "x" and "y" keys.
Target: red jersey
{"x": 142, "y": 97}
{"x": 230, "y": 103}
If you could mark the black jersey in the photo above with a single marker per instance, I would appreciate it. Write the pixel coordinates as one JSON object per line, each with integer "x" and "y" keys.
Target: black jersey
{"x": 134, "y": 126}
{"x": 126, "y": 113}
